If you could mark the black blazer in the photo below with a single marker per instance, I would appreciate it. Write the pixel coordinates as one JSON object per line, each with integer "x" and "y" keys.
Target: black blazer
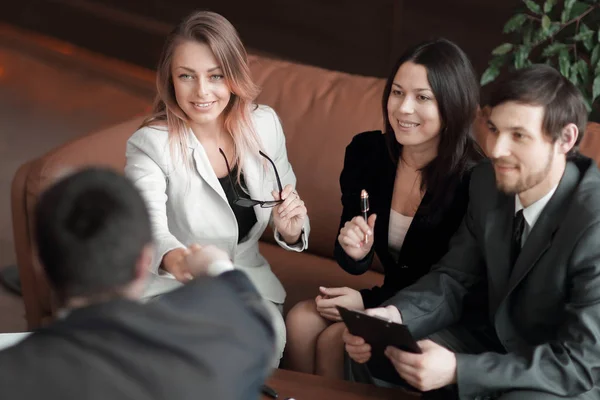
{"x": 368, "y": 165}
{"x": 209, "y": 339}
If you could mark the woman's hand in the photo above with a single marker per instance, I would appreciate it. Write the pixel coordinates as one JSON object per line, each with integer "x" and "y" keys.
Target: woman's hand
{"x": 289, "y": 216}
{"x": 352, "y": 236}
{"x": 174, "y": 262}
{"x": 200, "y": 259}
{"x": 187, "y": 263}
{"x": 332, "y": 297}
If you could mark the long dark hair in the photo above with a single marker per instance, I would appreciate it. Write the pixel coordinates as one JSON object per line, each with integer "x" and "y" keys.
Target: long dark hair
{"x": 456, "y": 90}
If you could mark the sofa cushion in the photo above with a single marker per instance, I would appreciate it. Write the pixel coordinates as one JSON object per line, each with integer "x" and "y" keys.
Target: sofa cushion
{"x": 303, "y": 273}
{"x": 321, "y": 111}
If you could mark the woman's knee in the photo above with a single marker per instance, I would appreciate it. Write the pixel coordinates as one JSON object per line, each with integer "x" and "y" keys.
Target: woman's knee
{"x": 331, "y": 339}
{"x": 301, "y": 314}
{"x": 279, "y": 328}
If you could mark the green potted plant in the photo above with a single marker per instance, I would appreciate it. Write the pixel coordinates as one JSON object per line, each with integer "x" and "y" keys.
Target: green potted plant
{"x": 566, "y": 36}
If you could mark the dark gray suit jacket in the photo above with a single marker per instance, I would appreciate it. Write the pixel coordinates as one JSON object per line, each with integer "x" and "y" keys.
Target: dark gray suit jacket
{"x": 210, "y": 339}
{"x": 546, "y": 312}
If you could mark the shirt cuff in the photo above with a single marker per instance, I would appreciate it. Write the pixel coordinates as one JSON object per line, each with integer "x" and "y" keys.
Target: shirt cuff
{"x": 216, "y": 268}
{"x": 299, "y": 246}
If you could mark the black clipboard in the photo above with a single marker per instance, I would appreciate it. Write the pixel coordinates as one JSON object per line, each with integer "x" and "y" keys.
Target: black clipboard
{"x": 378, "y": 332}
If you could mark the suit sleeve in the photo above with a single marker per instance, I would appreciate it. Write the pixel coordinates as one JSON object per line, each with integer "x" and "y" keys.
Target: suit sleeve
{"x": 354, "y": 178}
{"x": 567, "y": 366}
{"x": 235, "y": 338}
{"x": 288, "y": 177}
{"x": 435, "y": 301}
{"x": 145, "y": 166}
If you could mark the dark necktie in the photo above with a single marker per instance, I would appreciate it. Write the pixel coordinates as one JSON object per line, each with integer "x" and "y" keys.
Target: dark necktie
{"x": 518, "y": 226}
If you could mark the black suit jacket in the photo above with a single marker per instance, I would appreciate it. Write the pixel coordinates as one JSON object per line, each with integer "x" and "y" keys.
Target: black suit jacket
{"x": 368, "y": 166}
{"x": 210, "y": 339}
{"x": 545, "y": 309}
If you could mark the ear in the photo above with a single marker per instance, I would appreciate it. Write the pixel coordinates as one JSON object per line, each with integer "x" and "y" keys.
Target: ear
{"x": 568, "y": 138}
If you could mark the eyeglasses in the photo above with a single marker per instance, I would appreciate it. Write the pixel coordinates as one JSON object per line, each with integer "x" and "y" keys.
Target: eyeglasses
{"x": 247, "y": 202}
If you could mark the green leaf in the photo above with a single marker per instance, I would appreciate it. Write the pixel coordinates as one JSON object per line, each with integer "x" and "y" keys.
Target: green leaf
{"x": 596, "y": 88}
{"x": 515, "y": 23}
{"x": 588, "y": 104}
{"x": 553, "y": 49}
{"x": 566, "y": 10}
{"x": 498, "y": 61}
{"x": 502, "y": 49}
{"x": 546, "y": 22}
{"x": 555, "y": 27}
{"x": 489, "y": 75}
{"x": 578, "y": 9}
{"x": 564, "y": 62}
{"x": 521, "y": 55}
{"x": 548, "y": 5}
{"x": 527, "y": 34}
{"x": 533, "y": 6}
{"x": 595, "y": 58}
{"x": 542, "y": 34}
{"x": 584, "y": 72}
{"x": 588, "y": 42}
{"x": 574, "y": 75}
{"x": 583, "y": 36}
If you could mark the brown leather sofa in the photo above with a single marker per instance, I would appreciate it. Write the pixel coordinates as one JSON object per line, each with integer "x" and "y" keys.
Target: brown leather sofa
{"x": 320, "y": 110}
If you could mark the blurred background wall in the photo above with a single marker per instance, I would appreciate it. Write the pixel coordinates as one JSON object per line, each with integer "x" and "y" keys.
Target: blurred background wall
{"x": 356, "y": 36}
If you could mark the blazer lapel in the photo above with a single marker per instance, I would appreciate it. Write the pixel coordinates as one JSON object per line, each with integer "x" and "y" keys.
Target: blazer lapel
{"x": 498, "y": 232}
{"x": 381, "y": 204}
{"x": 205, "y": 170}
{"x": 540, "y": 237}
{"x": 257, "y": 185}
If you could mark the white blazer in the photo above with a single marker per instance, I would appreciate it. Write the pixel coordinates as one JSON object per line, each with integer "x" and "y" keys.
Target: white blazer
{"x": 188, "y": 205}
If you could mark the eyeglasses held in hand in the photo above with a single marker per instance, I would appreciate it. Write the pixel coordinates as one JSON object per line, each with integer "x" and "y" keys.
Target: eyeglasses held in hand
{"x": 247, "y": 202}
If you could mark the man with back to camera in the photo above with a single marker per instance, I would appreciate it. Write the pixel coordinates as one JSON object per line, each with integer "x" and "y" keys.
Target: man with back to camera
{"x": 531, "y": 236}
{"x": 212, "y": 338}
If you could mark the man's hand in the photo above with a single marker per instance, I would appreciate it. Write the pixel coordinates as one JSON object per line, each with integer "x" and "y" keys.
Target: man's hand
{"x": 201, "y": 258}
{"x": 389, "y": 313}
{"x": 356, "y": 347}
{"x": 433, "y": 369}
{"x": 174, "y": 263}
{"x": 331, "y": 297}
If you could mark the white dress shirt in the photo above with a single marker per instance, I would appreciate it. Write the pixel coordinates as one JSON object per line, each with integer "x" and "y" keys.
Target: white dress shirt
{"x": 532, "y": 213}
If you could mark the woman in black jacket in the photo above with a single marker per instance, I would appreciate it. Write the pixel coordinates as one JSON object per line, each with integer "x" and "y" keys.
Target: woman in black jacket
{"x": 417, "y": 175}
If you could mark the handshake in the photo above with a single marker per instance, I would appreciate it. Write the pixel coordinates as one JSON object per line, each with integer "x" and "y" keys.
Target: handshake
{"x": 188, "y": 263}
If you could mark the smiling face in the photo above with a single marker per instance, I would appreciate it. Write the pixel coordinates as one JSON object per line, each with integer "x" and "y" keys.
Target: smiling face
{"x": 523, "y": 156}
{"x": 200, "y": 87}
{"x": 412, "y": 108}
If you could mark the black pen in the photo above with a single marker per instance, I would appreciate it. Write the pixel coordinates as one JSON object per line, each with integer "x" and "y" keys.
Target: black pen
{"x": 268, "y": 391}
{"x": 364, "y": 207}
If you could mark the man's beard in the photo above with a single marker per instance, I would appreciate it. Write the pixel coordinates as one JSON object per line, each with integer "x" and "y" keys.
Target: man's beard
{"x": 526, "y": 183}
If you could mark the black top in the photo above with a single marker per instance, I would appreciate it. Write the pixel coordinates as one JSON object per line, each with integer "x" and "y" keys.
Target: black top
{"x": 245, "y": 216}
{"x": 368, "y": 166}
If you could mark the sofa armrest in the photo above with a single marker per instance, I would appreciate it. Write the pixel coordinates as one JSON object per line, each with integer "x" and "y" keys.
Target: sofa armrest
{"x": 102, "y": 148}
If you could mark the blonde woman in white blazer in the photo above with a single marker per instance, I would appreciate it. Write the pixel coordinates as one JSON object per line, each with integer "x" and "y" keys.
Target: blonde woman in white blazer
{"x": 204, "y": 163}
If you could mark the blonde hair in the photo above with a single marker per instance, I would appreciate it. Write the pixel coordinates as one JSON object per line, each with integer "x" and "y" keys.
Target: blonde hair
{"x": 221, "y": 37}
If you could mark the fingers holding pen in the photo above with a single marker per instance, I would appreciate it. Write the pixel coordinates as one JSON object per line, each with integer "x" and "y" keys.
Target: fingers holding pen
{"x": 354, "y": 231}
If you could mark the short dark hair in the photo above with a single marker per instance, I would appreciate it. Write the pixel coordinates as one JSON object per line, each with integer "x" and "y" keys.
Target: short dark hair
{"x": 454, "y": 84}
{"x": 542, "y": 85}
{"x": 91, "y": 228}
